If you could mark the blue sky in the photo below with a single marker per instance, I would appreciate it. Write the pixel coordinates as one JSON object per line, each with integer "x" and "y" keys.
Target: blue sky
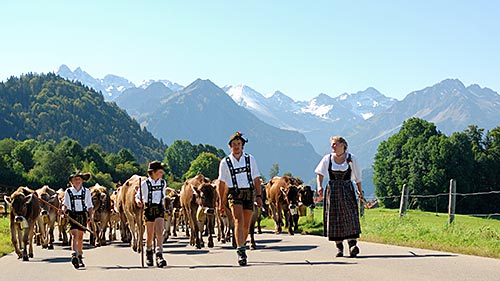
{"x": 301, "y": 48}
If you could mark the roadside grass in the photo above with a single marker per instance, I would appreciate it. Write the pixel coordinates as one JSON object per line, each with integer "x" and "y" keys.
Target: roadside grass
{"x": 5, "y": 243}
{"x": 426, "y": 230}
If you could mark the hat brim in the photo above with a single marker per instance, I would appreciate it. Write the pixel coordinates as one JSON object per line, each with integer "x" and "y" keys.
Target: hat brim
{"x": 237, "y": 138}
{"x": 161, "y": 167}
{"x": 83, "y": 176}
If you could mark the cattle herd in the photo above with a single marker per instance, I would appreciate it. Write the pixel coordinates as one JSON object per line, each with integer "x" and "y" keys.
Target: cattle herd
{"x": 193, "y": 210}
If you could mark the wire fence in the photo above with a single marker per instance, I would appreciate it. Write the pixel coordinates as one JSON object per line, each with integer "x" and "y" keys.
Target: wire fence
{"x": 372, "y": 199}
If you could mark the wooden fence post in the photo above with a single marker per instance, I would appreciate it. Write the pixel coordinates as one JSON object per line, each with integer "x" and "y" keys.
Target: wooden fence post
{"x": 361, "y": 206}
{"x": 451, "y": 201}
{"x": 404, "y": 200}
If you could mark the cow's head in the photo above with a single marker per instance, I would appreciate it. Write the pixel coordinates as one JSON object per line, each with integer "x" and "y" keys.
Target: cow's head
{"x": 306, "y": 195}
{"x": 207, "y": 195}
{"x": 18, "y": 205}
{"x": 291, "y": 196}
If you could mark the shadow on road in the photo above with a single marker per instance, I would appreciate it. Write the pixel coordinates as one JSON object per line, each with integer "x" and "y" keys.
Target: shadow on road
{"x": 410, "y": 255}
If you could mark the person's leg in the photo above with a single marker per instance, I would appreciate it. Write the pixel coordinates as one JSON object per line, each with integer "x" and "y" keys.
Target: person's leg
{"x": 158, "y": 227}
{"x": 239, "y": 225}
{"x": 240, "y": 232}
{"x": 247, "y": 217}
{"x": 340, "y": 248}
{"x": 149, "y": 243}
{"x": 80, "y": 247}
{"x": 353, "y": 248}
{"x": 74, "y": 247}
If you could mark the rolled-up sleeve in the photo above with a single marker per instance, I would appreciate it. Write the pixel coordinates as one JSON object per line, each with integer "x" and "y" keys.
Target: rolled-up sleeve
{"x": 356, "y": 170}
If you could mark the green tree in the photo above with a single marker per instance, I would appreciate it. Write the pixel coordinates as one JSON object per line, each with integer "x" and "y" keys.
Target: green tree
{"x": 206, "y": 163}
{"x": 402, "y": 159}
{"x": 178, "y": 157}
{"x": 275, "y": 170}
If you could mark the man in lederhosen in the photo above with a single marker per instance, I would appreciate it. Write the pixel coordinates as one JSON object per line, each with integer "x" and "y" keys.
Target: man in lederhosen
{"x": 154, "y": 189}
{"x": 239, "y": 173}
{"x": 78, "y": 205}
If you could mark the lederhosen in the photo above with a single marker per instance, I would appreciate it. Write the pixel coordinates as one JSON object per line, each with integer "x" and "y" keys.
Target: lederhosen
{"x": 79, "y": 216}
{"x": 341, "y": 215}
{"x": 241, "y": 196}
{"x": 154, "y": 210}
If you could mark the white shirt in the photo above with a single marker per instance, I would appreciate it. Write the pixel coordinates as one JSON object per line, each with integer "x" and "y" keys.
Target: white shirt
{"x": 156, "y": 195}
{"x": 241, "y": 178}
{"x": 322, "y": 168}
{"x": 78, "y": 202}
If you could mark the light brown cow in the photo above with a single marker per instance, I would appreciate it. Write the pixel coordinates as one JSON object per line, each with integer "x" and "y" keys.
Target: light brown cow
{"x": 114, "y": 217}
{"x": 62, "y": 221}
{"x": 102, "y": 213}
{"x": 126, "y": 203}
{"x": 177, "y": 215}
{"x": 282, "y": 194}
{"x": 48, "y": 216}
{"x": 190, "y": 200}
{"x": 24, "y": 211}
{"x": 225, "y": 220}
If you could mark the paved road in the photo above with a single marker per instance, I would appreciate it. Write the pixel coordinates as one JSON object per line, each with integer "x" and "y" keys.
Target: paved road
{"x": 278, "y": 257}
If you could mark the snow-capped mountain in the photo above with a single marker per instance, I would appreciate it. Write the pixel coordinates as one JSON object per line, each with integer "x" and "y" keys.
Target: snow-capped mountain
{"x": 171, "y": 85}
{"x": 111, "y": 86}
{"x": 318, "y": 118}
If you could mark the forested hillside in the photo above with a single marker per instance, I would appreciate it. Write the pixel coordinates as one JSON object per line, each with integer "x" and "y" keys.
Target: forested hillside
{"x": 47, "y": 107}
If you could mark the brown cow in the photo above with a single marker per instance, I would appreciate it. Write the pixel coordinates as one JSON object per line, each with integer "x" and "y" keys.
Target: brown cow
{"x": 282, "y": 193}
{"x": 126, "y": 202}
{"x": 24, "y": 212}
{"x": 114, "y": 217}
{"x": 177, "y": 216}
{"x": 62, "y": 221}
{"x": 190, "y": 200}
{"x": 48, "y": 216}
{"x": 102, "y": 213}
{"x": 306, "y": 200}
{"x": 225, "y": 220}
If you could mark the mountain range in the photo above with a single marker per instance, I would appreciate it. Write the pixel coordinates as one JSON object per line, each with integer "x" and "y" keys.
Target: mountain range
{"x": 203, "y": 112}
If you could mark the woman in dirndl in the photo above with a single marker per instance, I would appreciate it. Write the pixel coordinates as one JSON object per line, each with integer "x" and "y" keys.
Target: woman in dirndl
{"x": 341, "y": 214}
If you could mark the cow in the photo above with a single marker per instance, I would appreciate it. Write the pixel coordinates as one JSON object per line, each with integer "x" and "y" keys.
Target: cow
{"x": 62, "y": 221}
{"x": 225, "y": 221}
{"x": 177, "y": 216}
{"x": 48, "y": 216}
{"x": 102, "y": 212}
{"x": 168, "y": 204}
{"x": 306, "y": 200}
{"x": 190, "y": 200}
{"x": 114, "y": 217}
{"x": 126, "y": 203}
{"x": 24, "y": 212}
{"x": 256, "y": 219}
{"x": 282, "y": 194}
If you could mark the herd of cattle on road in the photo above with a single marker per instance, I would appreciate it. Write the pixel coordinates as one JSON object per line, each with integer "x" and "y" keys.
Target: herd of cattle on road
{"x": 194, "y": 209}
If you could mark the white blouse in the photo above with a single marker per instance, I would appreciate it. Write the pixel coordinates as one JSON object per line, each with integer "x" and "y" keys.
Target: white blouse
{"x": 322, "y": 168}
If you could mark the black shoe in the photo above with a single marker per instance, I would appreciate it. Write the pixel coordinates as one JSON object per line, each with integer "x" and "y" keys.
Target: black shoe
{"x": 340, "y": 250}
{"x": 353, "y": 251}
{"x": 149, "y": 258}
{"x": 160, "y": 261}
{"x": 242, "y": 257}
{"x": 74, "y": 261}
{"x": 80, "y": 261}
